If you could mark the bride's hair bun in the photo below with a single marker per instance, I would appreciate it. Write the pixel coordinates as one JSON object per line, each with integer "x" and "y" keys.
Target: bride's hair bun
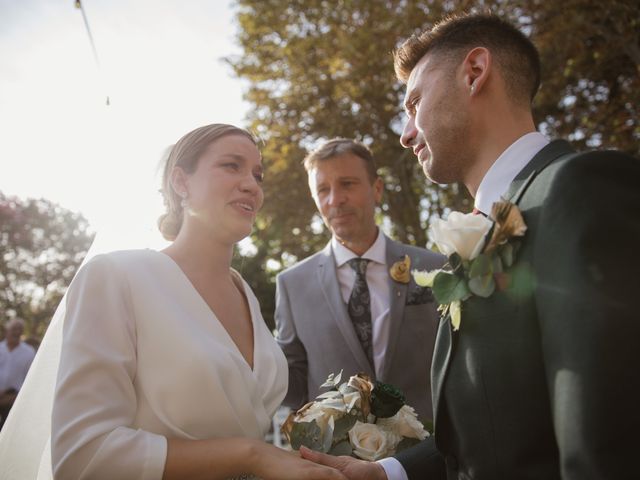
{"x": 185, "y": 154}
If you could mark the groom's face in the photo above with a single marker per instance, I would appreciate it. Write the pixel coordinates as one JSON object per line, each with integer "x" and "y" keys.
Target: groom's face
{"x": 346, "y": 197}
{"x": 437, "y": 128}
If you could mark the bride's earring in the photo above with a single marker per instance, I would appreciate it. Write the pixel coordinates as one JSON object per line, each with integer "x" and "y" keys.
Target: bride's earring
{"x": 473, "y": 87}
{"x": 183, "y": 202}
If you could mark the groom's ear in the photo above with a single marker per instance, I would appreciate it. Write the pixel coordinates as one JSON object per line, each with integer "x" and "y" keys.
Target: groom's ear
{"x": 476, "y": 67}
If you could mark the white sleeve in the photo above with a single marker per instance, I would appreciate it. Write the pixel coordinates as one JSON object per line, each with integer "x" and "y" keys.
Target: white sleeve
{"x": 95, "y": 400}
{"x": 393, "y": 468}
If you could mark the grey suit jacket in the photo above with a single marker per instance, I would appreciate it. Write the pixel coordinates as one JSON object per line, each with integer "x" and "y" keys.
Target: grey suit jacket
{"x": 318, "y": 338}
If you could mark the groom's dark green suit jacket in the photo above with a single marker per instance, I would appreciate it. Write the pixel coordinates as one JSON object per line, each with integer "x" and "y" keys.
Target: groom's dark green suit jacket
{"x": 542, "y": 380}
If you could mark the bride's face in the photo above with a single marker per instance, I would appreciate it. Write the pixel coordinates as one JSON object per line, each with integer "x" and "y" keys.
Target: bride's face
{"x": 225, "y": 192}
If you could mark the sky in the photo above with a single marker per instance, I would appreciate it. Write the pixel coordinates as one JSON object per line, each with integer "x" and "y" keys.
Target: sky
{"x": 160, "y": 66}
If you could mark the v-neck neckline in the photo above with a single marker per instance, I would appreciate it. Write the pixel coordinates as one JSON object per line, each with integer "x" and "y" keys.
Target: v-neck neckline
{"x": 251, "y": 367}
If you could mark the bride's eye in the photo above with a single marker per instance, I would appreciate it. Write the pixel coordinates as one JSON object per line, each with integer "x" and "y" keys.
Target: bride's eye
{"x": 231, "y": 165}
{"x": 259, "y": 177}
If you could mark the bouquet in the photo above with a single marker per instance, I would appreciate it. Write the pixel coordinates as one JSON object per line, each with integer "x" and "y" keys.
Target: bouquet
{"x": 358, "y": 417}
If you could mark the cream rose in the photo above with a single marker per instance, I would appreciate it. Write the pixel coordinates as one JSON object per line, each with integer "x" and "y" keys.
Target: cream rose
{"x": 405, "y": 423}
{"x": 371, "y": 442}
{"x": 461, "y": 233}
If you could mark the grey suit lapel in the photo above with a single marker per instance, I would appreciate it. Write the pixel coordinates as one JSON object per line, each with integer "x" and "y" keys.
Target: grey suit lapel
{"x": 397, "y": 300}
{"x": 328, "y": 279}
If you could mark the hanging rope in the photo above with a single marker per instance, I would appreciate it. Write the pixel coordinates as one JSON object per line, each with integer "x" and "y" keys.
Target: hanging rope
{"x": 79, "y": 6}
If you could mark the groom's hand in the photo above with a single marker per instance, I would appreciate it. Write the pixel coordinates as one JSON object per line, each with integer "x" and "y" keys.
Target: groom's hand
{"x": 352, "y": 468}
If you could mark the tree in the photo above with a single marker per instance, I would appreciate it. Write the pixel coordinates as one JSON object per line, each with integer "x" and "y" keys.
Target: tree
{"x": 318, "y": 69}
{"x": 41, "y": 247}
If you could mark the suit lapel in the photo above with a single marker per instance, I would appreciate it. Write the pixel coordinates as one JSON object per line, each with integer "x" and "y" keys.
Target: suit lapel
{"x": 440, "y": 364}
{"x": 397, "y": 300}
{"x": 544, "y": 157}
{"x": 444, "y": 342}
{"x": 328, "y": 280}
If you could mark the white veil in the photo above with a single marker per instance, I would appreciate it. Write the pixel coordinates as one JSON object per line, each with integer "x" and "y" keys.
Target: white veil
{"x": 25, "y": 452}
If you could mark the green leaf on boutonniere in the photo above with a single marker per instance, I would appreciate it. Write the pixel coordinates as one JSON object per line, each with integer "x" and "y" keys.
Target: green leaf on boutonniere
{"x": 455, "y": 261}
{"x": 448, "y": 287}
{"x": 482, "y": 286}
{"x": 480, "y": 267}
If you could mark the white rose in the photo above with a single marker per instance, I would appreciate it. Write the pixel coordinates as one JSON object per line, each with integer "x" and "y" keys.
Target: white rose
{"x": 461, "y": 233}
{"x": 405, "y": 423}
{"x": 370, "y": 442}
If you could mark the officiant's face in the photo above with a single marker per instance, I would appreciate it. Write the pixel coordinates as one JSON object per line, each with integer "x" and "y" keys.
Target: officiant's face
{"x": 346, "y": 197}
{"x": 225, "y": 192}
{"x": 438, "y": 128}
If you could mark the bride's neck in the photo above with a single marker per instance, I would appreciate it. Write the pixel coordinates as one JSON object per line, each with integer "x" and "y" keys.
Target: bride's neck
{"x": 201, "y": 255}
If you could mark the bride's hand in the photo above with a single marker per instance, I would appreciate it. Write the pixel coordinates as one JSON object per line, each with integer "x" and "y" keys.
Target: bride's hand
{"x": 273, "y": 463}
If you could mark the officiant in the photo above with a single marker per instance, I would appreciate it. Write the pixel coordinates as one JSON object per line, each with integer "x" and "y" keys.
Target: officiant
{"x": 353, "y": 306}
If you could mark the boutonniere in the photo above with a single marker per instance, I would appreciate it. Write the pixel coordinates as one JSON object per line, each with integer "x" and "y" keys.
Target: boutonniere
{"x": 400, "y": 271}
{"x": 478, "y": 251}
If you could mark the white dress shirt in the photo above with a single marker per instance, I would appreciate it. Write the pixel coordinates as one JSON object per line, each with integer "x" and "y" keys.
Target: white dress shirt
{"x": 494, "y": 184}
{"x": 14, "y": 365}
{"x": 378, "y": 282}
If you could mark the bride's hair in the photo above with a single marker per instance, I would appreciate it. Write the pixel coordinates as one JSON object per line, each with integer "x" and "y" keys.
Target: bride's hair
{"x": 185, "y": 154}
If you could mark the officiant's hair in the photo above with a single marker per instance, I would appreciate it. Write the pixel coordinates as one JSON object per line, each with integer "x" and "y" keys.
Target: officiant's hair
{"x": 340, "y": 146}
{"x": 185, "y": 154}
{"x": 451, "y": 39}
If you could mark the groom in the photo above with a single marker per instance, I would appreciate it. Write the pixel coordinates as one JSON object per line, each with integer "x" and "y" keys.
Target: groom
{"x": 541, "y": 380}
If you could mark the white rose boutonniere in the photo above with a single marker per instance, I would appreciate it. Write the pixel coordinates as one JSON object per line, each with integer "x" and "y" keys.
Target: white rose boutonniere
{"x": 478, "y": 249}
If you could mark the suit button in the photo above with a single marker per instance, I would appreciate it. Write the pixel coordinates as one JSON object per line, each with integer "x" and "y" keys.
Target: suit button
{"x": 452, "y": 462}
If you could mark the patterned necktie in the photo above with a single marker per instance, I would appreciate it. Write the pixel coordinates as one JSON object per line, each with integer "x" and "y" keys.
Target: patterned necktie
{"x": 359, "y": 307}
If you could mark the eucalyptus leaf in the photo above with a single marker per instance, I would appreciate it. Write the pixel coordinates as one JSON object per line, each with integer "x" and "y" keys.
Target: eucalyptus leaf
{"x": 330, "y": 394}
{"x": 482, "y": 286}
{"x": 332, "y": 380}
{"x": 480, "y": 266}
{"x": 307, "y": 434}
{"x": 343, "y": 425}
{"x": 341, "y": 448}
{"x": 448, "y": 287}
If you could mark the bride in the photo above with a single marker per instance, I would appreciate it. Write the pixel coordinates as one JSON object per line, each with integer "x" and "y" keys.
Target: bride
{"x": 167, "y": 369}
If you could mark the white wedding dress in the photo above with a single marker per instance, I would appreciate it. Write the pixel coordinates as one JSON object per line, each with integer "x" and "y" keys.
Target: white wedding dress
{"x": 144, "y": 358}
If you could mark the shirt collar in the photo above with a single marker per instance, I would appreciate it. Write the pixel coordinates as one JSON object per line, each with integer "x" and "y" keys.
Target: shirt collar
{"x": 376, "y": 252}
{"x": 498, "y": 178}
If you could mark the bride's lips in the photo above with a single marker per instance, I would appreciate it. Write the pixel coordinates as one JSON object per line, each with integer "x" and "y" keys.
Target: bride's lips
{"x": 416, "y": 151}
{"x": 245, "y": 206}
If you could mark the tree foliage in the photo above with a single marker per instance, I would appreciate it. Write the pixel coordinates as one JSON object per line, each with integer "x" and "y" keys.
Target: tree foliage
{"x": 41, "y": 247}
{"x": 318, "y": 69}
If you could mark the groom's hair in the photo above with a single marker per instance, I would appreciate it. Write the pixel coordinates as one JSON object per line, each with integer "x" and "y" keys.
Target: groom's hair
{"x": 337, "y": 147}
{"x": 451, "y": 39}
